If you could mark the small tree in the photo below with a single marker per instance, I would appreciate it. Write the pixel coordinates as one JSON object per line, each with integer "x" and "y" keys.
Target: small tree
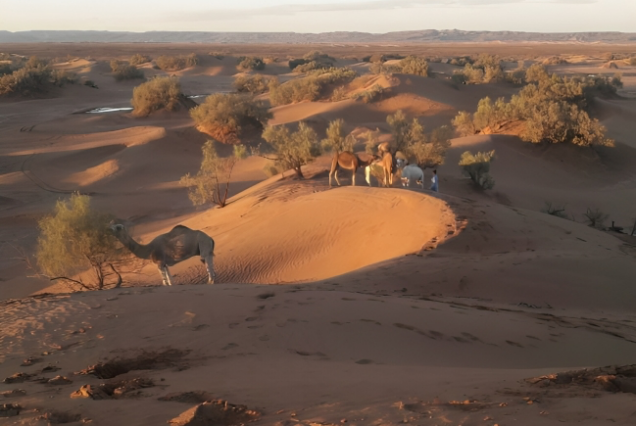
{"x": 122, "y": 71}
{"x": 292, "y": 150}
{"x": 336, "y": 140}
{"x": 138, "y": 59}
{"x": 464, "y": 124}
{"x": 156, "y": 94}
{"x": 595, "y": 218}
{"x": 430, "y": 152}
{"x": 555, "y": 210}
{"x": 477, "y": 168}
{"x": 76, "y": 238}
{"x": 212, "y": 182}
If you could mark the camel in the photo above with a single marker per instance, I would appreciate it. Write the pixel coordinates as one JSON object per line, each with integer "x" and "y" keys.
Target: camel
{"x": 165, "y": 250}
{"x": 349, "y": 161}
{"x": 386, "y": 162}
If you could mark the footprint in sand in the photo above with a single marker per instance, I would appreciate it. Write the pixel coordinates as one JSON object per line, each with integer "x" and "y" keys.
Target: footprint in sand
{"x": 364, "y": 361}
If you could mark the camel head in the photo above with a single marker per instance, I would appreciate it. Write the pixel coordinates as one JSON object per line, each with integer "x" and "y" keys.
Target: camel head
{"x": 117, "y": 228}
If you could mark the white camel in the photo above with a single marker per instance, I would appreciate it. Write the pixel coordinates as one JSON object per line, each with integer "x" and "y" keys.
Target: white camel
{"x": 412, "y": 173}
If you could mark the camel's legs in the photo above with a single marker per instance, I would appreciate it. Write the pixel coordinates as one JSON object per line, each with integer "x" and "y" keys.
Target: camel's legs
{"x": 210, "y": 267}
{"x": 367, "y": 174}
{"x": 165, "y": 274}
{"x": 336, "y": 176}
{"x": 353, "y": 178}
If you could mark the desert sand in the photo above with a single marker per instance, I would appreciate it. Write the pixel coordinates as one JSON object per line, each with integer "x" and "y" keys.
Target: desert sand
{"x": 346, "y": 305}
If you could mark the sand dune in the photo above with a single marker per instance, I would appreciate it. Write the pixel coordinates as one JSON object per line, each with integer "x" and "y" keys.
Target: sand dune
{"x": 374, "y": 305}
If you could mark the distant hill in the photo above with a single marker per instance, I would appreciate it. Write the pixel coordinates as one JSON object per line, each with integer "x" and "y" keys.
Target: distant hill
{"x": 432, "y": 36}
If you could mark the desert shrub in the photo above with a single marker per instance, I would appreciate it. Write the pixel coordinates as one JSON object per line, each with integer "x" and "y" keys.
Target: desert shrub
{"x": 335, "y": 75}
{"x": 339, "y": 94}
{"x": 414, "y": 65}
{"x": 371, "y": 95}
{"x": 486, "y": 69}
{"x": 250, "y": 63}
{"x": 217, "y": 55}
{"x": 292, "y": 150}
{"x": 313, "y": 60}
{"x": 555, "y": 210}
{"x": 122, "y": 71}
{"x": 211, "y": 184}
{"x": 61, "y": 77}
{"x": 555, "y": 60}
{"x": 176, "y": 63}
{"x": 551, "y": 106}
{"x": 254, "y": 84}
{"x": 632, "y": 60}
{"x": 5, "y": 68}
{"x": 297, "y": 90}
{"x": 461, "y": 61}
{"x": 336, "y": 140}
{"x": 517, "y": 76}
{"x": 138, "y": 59}
{"x": 226, "y": 116}
{"x": 32, "y": 77}
{"x": 76, "y": 238}
{"x": 381, "y": 57}
{"x": 490, "y": 116}
{"x": 477, "y": 168}
{"x": 558, "y": 121}
{"x": 463, "y": 123}
{"x": 156, "y": 94}
{"x": 91, "y": 83}
{"x": 595, "y": 217}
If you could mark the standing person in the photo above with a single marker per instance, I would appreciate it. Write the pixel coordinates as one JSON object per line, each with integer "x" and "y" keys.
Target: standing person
{"x": 434, "y": 180}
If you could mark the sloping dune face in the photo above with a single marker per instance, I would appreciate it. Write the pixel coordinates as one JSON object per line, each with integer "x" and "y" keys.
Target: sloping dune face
{"x": 265, "y": 238}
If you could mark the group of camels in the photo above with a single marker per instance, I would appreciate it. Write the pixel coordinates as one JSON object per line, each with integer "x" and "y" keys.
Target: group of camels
{"x": 182, "y": 243}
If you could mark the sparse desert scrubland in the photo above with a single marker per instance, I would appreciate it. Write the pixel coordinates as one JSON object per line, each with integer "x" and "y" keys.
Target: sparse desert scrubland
{"x": 367, "y": 304}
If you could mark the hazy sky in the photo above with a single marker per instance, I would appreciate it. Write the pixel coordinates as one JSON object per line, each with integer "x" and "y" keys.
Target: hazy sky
{"x": 375, "y": 16}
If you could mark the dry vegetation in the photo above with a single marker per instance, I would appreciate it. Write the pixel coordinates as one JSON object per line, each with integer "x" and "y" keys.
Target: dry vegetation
{"x": 160, "y": 93}
{"x": 31, "y": 77}
{"x": 254, "y": 84}
{"x": 226, "y": 117}
{"x": 123, "y": 71}
{"x": 553, "y": 108}
{"x": 176, "y": 63}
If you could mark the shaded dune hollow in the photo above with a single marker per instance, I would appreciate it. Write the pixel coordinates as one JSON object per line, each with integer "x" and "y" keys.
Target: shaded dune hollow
{"x": 292, "y": 233}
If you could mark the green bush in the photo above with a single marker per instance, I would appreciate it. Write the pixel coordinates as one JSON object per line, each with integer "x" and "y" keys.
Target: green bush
{"x": 76, "y": 238}
{"x": 160, "y": 93}
{"x": 255, "y": 84}
{"x": 138, "y": 59}
{"x": 250, "y": 63}
{"x": 122, "y": 71}
{"x": 477, "y": 168}
{"x": 176, "y": 63}
{"x": 292, "y": 150}
{"x": 226, "y": 116}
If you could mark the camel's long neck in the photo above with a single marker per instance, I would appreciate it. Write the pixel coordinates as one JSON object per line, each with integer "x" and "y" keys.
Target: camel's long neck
{"x": 139, "y": 250}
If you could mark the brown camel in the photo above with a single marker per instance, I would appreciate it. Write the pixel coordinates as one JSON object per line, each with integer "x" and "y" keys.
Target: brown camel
{"x": 386, "y": 162}
{"x": 165, "y": 250}
{"x": 349, "y": 161}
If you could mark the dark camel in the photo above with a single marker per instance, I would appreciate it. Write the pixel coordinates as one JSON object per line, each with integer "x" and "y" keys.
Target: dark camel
{"x": 165, "y": 250}
{"x": 348, "y": 161}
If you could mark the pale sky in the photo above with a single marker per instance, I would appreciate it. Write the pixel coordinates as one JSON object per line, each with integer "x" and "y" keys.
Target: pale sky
{"x": 376, "y": 16}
